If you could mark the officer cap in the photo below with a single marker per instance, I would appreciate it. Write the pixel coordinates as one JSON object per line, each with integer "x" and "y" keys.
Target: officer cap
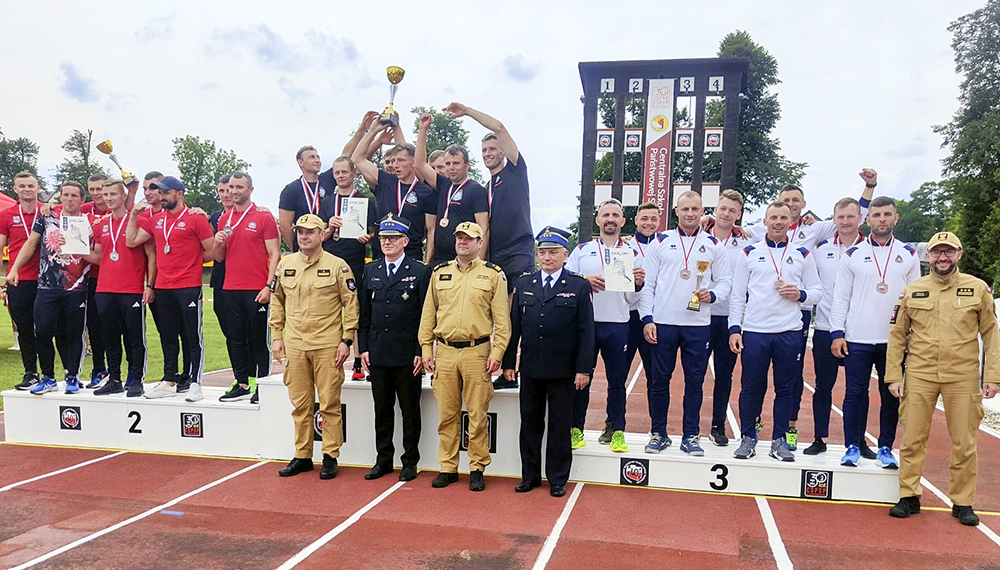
{"x": 310, "y": 222}
{"x": 470, "y": 229}
{"x": 552, "y": 237}
{"x": 393, "y": 226}
{"x": 944, "y": 238}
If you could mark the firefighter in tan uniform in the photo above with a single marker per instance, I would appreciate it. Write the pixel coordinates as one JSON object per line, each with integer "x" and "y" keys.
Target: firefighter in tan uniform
{"x": 936, "y": 329}
{"x": 314, "y": 313}
{"x": 466, "y": 303}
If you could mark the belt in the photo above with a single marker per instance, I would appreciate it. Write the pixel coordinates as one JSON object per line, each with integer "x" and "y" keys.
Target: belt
{"x": 463, "y": 343}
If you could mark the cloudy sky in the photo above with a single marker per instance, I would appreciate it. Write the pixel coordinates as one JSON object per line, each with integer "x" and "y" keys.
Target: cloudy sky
{"x": 862, "y": 82}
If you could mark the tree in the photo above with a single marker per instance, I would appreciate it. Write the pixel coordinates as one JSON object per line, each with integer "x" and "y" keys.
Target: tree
{"x": 761, "y": 169}
{"x": 79, "y": 166}
{"x": 930, "y": 209}
{"x": 445, "y": 131}
{"x": 17, "y": 155}
{"x": 200, "y": 165}
{"x": 973, "y": 138}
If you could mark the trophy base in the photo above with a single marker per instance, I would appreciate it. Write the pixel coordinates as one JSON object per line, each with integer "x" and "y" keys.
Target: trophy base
{"x": 694, "y": 306}
{"x": 388, "y": 118}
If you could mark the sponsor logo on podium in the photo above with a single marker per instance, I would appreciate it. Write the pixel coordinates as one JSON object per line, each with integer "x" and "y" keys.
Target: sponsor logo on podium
{"x": 69, "y": 417}
{"x": 318, "y": 422}
{"x": 817, "y": 484}
{"x": 635, "y": 472}
{"x": 192, "y": 425}
{"x": 491, "y": 431}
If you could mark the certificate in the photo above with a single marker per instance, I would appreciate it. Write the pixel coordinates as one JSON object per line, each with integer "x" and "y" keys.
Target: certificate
{"x": 77, "y": 231}
{"x": 354, "y": 215}
{"x": 618, "y": 264}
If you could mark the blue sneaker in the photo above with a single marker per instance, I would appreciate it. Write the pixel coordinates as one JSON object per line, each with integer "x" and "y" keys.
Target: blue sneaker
{"x": 657, "y": 443}
{"x": 72, "y": 384}
{"x": 852, "y": 456}
{"x": 46, "y": 384}
{"x": 886, "y": 459}
{"x": 97, "y": 379}
{"x": 691, "y": 446}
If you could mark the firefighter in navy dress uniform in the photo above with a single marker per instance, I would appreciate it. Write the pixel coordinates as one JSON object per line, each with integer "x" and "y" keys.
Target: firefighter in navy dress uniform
{"x": 553, "y": 316}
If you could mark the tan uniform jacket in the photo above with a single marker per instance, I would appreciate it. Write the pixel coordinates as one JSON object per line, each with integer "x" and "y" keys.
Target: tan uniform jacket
{"x": 464, "y": 305}
{"x": 314, "y": 305}
{"x": 943, "y": 321}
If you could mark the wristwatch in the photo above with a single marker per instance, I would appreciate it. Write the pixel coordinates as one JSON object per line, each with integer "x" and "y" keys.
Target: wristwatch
{"x": 347, "y": 341}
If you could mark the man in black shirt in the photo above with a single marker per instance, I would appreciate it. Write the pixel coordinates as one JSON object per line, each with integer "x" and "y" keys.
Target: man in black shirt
{"x": 302, "y": 196}
{"x": 460, "y": 198}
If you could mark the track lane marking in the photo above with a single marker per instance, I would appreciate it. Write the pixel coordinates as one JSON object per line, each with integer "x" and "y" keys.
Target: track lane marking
{"x": 136, "y": 518}
{"x": 774, "y": 536}
{"x": 550, "y": 542}
{"x": 635, "y": 378}
{"x": 60, "y": 471}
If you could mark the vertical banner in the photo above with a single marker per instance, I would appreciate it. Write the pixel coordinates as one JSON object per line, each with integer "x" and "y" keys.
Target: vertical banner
{"x": 659, "y": 138}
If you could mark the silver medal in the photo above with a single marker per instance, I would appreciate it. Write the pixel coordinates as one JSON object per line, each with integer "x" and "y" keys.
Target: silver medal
{"x": 114, "y": 256}
{"x": 228, "y": 230}
{"x": 166, "y": 248}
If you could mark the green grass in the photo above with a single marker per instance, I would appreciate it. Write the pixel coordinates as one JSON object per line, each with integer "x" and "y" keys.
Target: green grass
{"x": 216, "y": 358}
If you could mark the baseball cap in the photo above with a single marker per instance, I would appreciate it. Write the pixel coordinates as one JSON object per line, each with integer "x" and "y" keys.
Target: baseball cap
{"x": 470, "y": 229}
{"x": 310, "y": 222}
{"x": 168, "y": 183}
{"x": 944, "y": 238}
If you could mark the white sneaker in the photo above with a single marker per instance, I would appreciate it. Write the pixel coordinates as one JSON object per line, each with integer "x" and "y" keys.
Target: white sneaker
{"x": 161, "y": 390}
{"x": 194, "y": 393}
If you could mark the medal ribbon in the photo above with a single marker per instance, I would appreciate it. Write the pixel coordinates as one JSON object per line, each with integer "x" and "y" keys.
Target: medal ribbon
{"x": 451, "y": 192}
{"x": 840, "y": 250}
{"x": 312, "y": 198}
{"x": 401, "y": 199}
{"x": 882, "y": 272}
{"x": 116, "y": 234}
{"x": 489, "y": 193}
{"x": 779, "y": 265}
{"x": 687, "y": 253}
{"x": 166, "y": 234}
{"x": 233, "y": 211}
{"x": 339, "y": 204}
{"x": 24, "y": 222}
{"x": 606, "y": 251}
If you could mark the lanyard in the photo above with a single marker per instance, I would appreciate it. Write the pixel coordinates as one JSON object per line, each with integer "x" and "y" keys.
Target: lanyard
{"x": 339, "y": 204}
{"x": 778, "y": 265}
{"x": 116, "y": 234}
{"x": 841, "y": 246}
{"x": 882, "y": 271}
{"x": 312, "y": 198}
{"x": 687, "y": 253}
{"x": 401, "y": 199}
{"x": 489, "y": 193}
{"x": 451, "y": 192}
{"x": 606, "y": 252}
{"x": 230, "y": 218}
{"x": 24, "y": 222}
{"x": 166, "y": 234}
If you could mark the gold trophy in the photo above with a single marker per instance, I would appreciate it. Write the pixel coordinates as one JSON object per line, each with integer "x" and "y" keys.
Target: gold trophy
{"x": 107, "y": 148}
{"x": 395, "y": 75}
{"x": 695, "y": 304}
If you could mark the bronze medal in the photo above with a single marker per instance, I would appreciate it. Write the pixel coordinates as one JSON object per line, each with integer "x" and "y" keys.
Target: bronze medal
{"x": 882, "y": 287}
{"x": 685, "y": 273}
{"x": 778, "y": 285}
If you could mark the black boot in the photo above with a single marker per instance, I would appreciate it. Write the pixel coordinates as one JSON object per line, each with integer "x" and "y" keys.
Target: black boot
{"x": 905, "y": 507}
{"x": 329, "y": 470}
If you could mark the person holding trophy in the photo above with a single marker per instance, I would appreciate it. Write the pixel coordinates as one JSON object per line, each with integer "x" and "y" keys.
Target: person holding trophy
{"x": 673, "y": 307}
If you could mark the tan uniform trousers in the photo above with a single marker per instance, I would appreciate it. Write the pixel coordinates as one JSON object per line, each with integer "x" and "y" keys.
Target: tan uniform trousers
{"x": 460, "y": 373}
{"x": 307, "y": 373}
{"x": 963, "y": 408}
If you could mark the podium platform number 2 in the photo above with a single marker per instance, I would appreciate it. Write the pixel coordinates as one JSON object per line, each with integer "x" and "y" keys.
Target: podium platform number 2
{"x": 608, "y": 85}
{"x": 136, "y": 417}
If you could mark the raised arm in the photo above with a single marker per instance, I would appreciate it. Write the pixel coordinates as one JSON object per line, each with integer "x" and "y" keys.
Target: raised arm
{"x": 362, "y": 159}
{"x": 507, "y": 144}
{"x": 354, "y": 142}
{"x": 424, "y": 170}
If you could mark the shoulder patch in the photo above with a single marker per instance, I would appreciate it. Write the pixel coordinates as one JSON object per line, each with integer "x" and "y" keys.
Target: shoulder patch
{"x": 494, "y": 266}
{"x": 440, "y": 265}
{"x": 850, "y": 252}
{"x": 580, "y": 245}
{"x": 804, "y": 251}
{"x": 910, "y": 249}
{"x": 920, "y": 294}
{"x": 895, "y": 314}
{"x": 713, "y": 238}
{"x": 822, "y": 243}
{"x": 748, "y": 249}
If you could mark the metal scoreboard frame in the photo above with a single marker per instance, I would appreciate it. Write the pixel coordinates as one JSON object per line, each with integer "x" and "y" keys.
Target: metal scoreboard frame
{"x": 622, "y": 80}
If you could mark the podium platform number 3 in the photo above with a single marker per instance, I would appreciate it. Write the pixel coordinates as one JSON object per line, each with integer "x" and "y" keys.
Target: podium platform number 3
{"x": 608, "y": 85}
{"x": 716, "y": 83}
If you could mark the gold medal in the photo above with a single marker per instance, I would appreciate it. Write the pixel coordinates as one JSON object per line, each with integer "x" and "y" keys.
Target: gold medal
{"x": 444, "y": 222}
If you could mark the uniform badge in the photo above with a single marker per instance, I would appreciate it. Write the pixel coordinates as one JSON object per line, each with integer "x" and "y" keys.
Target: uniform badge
{"x": 182, "y": 224}
{"x": 789, "y": 261}
{"x": 323, "y": 272}
{"x": 444, "y": 277}
{"x": 345, "y": 269}
{"x": 802, "y": 235}
{"x": 895, "y": 313}
{"x": 965, "y": 292}
{"x": 411, "y": 198}
{"x": 405, "y": 295}
{"x": 252, "y": 225}
{"x": 289, "y": 273}
{"x": 920, "y": 294}
{"x": 701, "y": 249}
{"x": 899, "y": 259}
{"x": 457, "y": 196}
{"x": 350, "y": 284}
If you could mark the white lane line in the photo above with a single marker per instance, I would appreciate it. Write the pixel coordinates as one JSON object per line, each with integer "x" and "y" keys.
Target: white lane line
{"x": 635, "y": 378}
{"x": 553, "y": 538}
{"x": 307, "y": 551}
{"x": 773, "y": 536}
{"x": 136, "y": 518}
{"x": 60, "y": 471}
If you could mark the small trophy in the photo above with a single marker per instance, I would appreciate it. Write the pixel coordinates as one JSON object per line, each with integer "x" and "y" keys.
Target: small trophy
{"x": 107, "y": 148}
{"x": 395, "y": 75}
{"x": 695, "y": 304}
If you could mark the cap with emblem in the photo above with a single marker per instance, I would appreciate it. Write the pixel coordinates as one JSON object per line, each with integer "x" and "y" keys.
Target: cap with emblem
{"x": 168, "y": 183}
{"x": 310, "y": 222}
{"x": 470, "y": 229}
{"x": 944, "y": 238}
{"x": 393, "y": 226}
{"x": 552, "y": 237}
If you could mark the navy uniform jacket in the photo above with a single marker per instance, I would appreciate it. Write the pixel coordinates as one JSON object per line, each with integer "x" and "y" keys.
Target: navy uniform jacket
{"x": 390, "y": 312}
{"x": 556, "y": 330}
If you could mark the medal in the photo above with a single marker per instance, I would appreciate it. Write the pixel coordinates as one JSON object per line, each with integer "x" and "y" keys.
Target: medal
{"x": 444, "y": 222}
{"x": 166, "y": 248}
{"x": 230, "y": 226}
{"x": 114, "y": 256}
{"x": 777, "y": 264}
{"x": 405, "y": 295}
{"x": 228, "y": 231}
{"x": 778, "y": 285}
{"x": 882, "y": 288}
{"x": 685, "y": 273}
{"x": 115, "y": 235}
{"x": 453, "y": 194}
{"x": 312, "y": 197}
{"x": 166, "y": 233}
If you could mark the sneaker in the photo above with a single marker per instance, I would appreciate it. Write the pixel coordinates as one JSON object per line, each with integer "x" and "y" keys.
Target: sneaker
{"x": 97, "y": 379}
{"x": 112, "y": 386}
{"x": 718, "y": 436}
{"x": 44, "y": 385}
{"x": 780, "y": 451}
{"x": 747, "y": 448}
{"x": 818, "y": 446}
{"x": 692, "y": 446}
{"x": 234, "y": 394}
{"x": 866, "y": 452}
{"x": 605, "y": 437}
{"x": 657, "y": 443}
{"x": 72, "y": 385}
{"x": 183, "y": 384}
{"x": 194, "y": 393}
{"x": 852, "y": 457}
{"x": 792, "y": 439}
{"x": 162, "y": 389}
{"x": 886, "y": 459}
{"x": 618, "y": 444}
{"x": 358, "y": 375}
{"x": 253, "y": 384}
{"x": 135, "y": 389}
{"x": 965, "y": 515}
{"x": 576, "y": 438}
{"x": 905, "y": 507}
{"x": 254, "y": 399}
{"x": 30, "y": 381}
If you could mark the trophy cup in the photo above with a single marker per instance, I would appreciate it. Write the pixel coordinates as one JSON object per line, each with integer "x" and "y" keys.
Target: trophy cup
{"x": 107, "y": 148}
{"x": 695, "y": 304}
{"x": 395, "y": 75}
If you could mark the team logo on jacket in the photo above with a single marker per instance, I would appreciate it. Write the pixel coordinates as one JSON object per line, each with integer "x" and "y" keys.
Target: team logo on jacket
{"x": 182, "y": 225}
{"x": 701, "y": 249}
{"x": 69, "y": 417}
{"x": 634, "y": 472}
{"x": 252, "y": 225}
{"x": 491, "y": 431}
{"x": 192, "y": 425}
{"x": 899, "y": 259}
{"x": 817, "y": 484}
{"x": 318, "y": 422}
